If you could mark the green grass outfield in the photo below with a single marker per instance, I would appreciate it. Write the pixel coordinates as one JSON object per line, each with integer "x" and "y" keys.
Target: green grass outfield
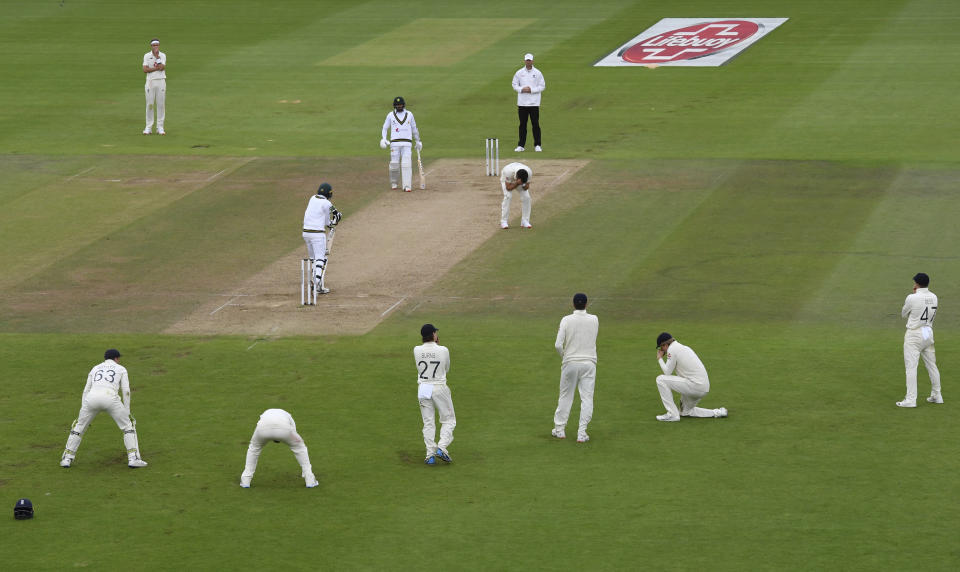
{"x": 769, "y": 213}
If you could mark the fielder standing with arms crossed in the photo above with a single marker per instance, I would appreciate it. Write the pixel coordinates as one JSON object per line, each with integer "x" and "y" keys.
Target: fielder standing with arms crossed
{"x": 107, "y": 389}
{"x": 433, "y": 363}
{"x": 577, "y": 343}
{"x": 919, "y": 309}
{"x": 400, "y": 129}
{"x": 155, "y": 66}
{"x": 516, "y": 175}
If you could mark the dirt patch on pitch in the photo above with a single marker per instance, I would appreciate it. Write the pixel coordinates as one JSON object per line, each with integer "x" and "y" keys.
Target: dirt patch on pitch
{"x": 382, "y": 256}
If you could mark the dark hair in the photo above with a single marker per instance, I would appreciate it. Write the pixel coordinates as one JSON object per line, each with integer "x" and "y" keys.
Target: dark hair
{"x": 426, "y": 332}
{"x": 523, "y": 175}
{"x": 922, "y": 280}
{"x": 580, "y": 301}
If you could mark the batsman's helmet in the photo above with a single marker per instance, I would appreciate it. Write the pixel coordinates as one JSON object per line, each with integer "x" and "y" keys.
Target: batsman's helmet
{"x": 325, "y": 190}
{"x": 398, "y": 102}
{"x": 23, "y": 509}
{"x": 664, "y": 337}
{"x": 111, "y": 354}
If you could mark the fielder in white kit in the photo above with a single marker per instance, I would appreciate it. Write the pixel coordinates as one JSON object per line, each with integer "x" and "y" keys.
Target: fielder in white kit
{"x": 512, "y": 176}
{"x": 920, "y": 308}
{"x": 278, "y": 426}
{"x": 577, "y": 343}
{"x": 399, "y": 131}
{"x": 155, "y": 66}
{"x": 320, "y": 215}
{"x": 433, "y": 363}
{"x": 107, "y": 389}
{"x": 691, "y": 381}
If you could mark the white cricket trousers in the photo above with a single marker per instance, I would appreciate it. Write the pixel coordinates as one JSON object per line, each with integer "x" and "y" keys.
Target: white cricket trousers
{"x": 400, "y": 158}
{"x": 317, "y": 250}
{"x": 916, "y": 346}
{"x": 524, "y": 204}
{"x": 284, "y": 433}
{"x": 442, "y": 401}
{"x": 103, "y": 400}
{"x": 156, "y": 93}
{"x": 690, "y": 392}
{"x": 574, "y": 375}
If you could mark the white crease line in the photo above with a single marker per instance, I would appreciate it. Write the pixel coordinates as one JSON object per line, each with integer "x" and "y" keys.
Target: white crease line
{"x": 224, "y": 305}
{"x": 390, "y": 309}
{"x": 81, "y": 173}
{"x": 215, "y": 175}
{"x": 253, "y": 344}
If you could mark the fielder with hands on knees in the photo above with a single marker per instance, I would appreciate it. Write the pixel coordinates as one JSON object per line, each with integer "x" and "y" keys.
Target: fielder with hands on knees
{"x": 691, "y": 381}
{"x": 433, "y": 363}
{"x": 577, "y": 343}
{"x": 278, "y": 426}
{"x": 513, "y": 176}
{"x": 320, "y": 215}
{"x": 398, "y": 132}
{"x": 920, "y": 308}
{"x": 155, "y": 66}
{"x": 107, "y": 389}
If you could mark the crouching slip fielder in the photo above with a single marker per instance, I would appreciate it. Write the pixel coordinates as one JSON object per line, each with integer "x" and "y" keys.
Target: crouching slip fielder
{"x": 433, "y": 363}
{"x": 106, "y": 383}
{"x": 515, "y": 175}
{"x": 920, "y": 308}
{"x": 691, "y": 381}
{"x": 278, "y": 426}
{"x": 401, "y": 129}
{"x": 320, "y": 215}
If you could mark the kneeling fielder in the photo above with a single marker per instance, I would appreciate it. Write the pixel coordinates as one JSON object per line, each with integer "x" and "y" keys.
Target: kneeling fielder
{"x": 691, "y": 381}
{"x": 106, "y": 383}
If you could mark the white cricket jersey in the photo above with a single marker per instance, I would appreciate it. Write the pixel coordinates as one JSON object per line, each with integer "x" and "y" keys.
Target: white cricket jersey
{"x": 577, "y": 337}
{"x": 509, "y": 173}
{"x": 433, "y": 363}
{"x": 685, "y": 362}
{"x": 400, "y": 127}
{"x": 149, "y": 60}
{"x": 919, "y": 309}
{"x": 317, "y": 215}
{"x": 277, "y": 418}
{"x": 110, "y": 377}
{"x": 533, "y": 79}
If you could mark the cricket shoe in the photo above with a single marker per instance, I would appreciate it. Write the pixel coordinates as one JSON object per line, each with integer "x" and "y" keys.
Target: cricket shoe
{"x": 407, "y": 190}
{"x": 244, "y": 486}
{"x": 519, "y": 149}
{"x": 393, "y": 187}
{"x": 65, "y": 463}
{"x": 146, "y": 131}
{"x": 526, "y": 225}
{"x": 537, "y": 149}
{"x": 906, "y": 404}
{"x": 313, "y": 483}
{"x": 721, "y": 412}
{"x": 322, "y": 290}
{"x": 161, "y": 131}
{"x": 558, "y": 433}
{"x": 430, "y": 461}
{"x": 136, "y": 463}
{"x": 504, "y": 225}
{"x": 668, "y": 417}
{"x": 443, "y": 456}
{"x": 935, "y": 399}
{"x": 583, "y": 438}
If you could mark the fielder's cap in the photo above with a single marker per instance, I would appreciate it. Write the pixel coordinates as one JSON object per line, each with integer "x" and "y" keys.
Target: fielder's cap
{"x": 427, "y": 330}
{"x": 154, "y": 42}
{"x": 922, "y": 279}
{"x": 111, "y": 354}
{"x": 23, "y": 509}
{"x": 664, "y": 337}
{"x": 579, "y": 298}
{"x": 528, "y": 57}
{"x": 324, "y": 189}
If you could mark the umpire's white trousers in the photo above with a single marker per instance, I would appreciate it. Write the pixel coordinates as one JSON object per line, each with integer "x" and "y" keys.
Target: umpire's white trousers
{"x": 442, "y": 401}
{"x": 98, "y": 400}
{"x": 524, "y": 204}
{"x": 284, "y": 433}
{"x": 574, "y": 375}
{"x": 156, "y": 93}
{"x": 916, "y": 346}
{"x": 691, "y": 392}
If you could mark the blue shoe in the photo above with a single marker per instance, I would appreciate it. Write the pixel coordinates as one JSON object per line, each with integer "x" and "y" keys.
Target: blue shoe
{"x": 443, "y": 456}
{"x": 430, "y": 460}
